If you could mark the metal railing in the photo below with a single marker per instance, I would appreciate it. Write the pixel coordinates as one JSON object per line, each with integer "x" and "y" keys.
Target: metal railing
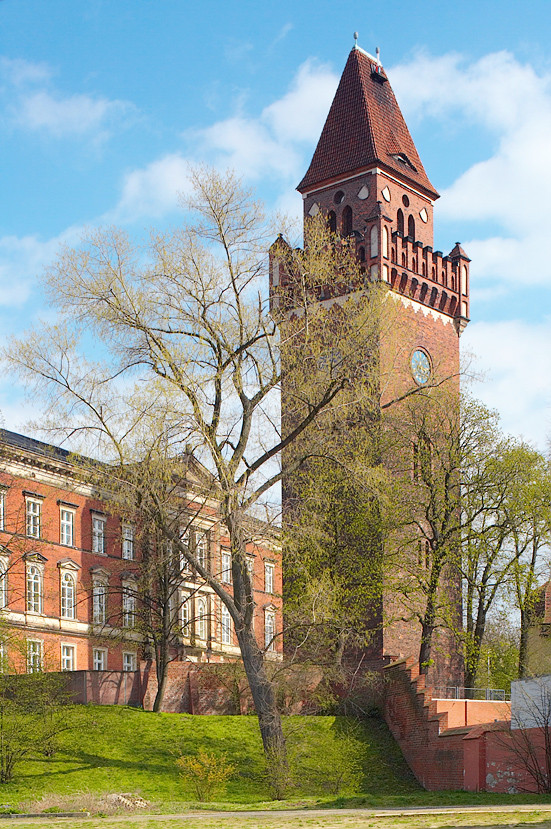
{"x": 458, "y": 692}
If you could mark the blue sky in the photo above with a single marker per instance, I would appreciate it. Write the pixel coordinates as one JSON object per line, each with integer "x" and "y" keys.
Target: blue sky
{"x": 104, "y": 102}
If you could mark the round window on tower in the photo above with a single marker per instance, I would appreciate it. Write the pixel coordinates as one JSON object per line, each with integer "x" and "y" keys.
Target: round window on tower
{"x": 405, "y": 201}
{"x": 338, "y": 197}
{"x": 420, "y": 367}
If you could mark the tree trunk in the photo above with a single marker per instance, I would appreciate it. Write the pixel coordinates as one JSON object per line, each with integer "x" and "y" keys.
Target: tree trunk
{"x": 263, "y": 696}
{"x": 523, "y": 645}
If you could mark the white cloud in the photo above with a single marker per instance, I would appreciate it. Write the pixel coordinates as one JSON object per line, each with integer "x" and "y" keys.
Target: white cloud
{"x": 512, "y": 102}
{"x": 29, "y": 102}
{"x": 270, "y": 145}
{"x": 152, "y": 191}
{"x": 515, "y": 358}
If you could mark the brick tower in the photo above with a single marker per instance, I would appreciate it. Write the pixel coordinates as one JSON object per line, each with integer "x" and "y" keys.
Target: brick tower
{"x": 367, "y": 178}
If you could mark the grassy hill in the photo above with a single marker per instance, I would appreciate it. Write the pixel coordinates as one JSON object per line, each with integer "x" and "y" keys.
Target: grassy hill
{"x": 334, "y": 761}
{"x": 117, "y": 749}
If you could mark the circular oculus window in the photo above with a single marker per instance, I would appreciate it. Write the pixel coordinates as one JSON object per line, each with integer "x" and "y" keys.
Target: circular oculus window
{"x": 385, "y": 194}
{"x": 405, "y": 201}
{"x": 423, "y": 215}
{"x": 338, "y": 197}
{"x": 420, "y": 367}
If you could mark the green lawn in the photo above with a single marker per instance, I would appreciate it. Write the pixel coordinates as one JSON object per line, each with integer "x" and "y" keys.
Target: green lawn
{"x": 127, "y": 750}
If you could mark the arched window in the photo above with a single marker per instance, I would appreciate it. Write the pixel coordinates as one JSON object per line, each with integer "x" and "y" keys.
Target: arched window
{"x": 424, "y": 289}
{"x": 374, "y": 241}
{"x": 404, "y": 260}
{"x": 269, "y": 630}
{"x": 454, "y": 282}
{"x": 128, "y": 605}
{"x": 413, "y": 287}
{"x": 424, "y": 269}
{"x": 453, "y": 303}
{"x": 393, "y": 256}
{"x": 414, "y": 265}
{"x": 433, "y": 272}
{"x": 34, "y": 589}
{"x": 411, "y": 228}
{"x": 400, "y": 221}
{"x": 67, "y": 596}
{"x": 444, "y": 279}
{"x": 385, "y": 242}
{"x": 433, "y": 296}
{"x": 225, "y": 626}
{"x": 464, "y": 286}
{"x": 361, "y": 254}
{"x": 201, "y": 620}
{"x": 99, "y": 602}
{"x": 332, "y": 221}
{"x": 346, "y": 221}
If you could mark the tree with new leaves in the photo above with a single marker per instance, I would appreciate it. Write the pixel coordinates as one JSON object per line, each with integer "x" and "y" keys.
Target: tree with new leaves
{"x": 191, "y": 361}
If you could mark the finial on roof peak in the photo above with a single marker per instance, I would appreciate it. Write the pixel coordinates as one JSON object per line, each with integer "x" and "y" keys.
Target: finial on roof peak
{"x": 378, "y": 53}
{"x": 355, "y": 40}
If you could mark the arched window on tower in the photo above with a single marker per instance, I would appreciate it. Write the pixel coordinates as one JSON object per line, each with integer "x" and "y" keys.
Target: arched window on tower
{"x": 374, "y": 241}
{"x": 385, "y": 242}
{"x": 346, "y": 221}
{"x": 332, "y": 221}
{"x": 424, "y": 269}
{"x": 400, "y": 221}
{"x": 411, "y": 228}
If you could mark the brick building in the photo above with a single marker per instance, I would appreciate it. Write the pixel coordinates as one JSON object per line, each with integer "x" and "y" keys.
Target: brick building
{"x": 70, "y": 572}
{"x": 367, "y": 179}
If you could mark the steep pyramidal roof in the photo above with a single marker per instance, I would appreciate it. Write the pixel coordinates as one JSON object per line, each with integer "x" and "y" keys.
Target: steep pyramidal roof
{"x": 365, "y": 127}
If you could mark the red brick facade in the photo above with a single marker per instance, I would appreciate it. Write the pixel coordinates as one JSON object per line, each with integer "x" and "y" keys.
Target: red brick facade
{"x": 69, "y": 566}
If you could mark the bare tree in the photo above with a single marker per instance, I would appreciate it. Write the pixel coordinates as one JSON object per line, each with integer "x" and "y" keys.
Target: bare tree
{"x": 172, "y": 349}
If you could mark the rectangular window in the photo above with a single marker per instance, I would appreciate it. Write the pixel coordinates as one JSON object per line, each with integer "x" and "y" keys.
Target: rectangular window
{"x": 68, "y": 657}
{"x": 201, "y": 550}
{"x": 185, "y": 616}
{"x": 225, "y": 626}
{"x": 185, "y": 537}
{"x": 268, "y": 577}
{"x": 269, "y": 630}
{"x": 226, "y": 566}
{"x": 129, "y": 662}
{"x": 250, "y": 569}
{"x": 98, "y": 534}
{"x": 34, "y": 656}
{"x": 34, "y": 512}
{"x": 99, "y": 603}
{"x": 66, "y": 526}
{"x": 3, "y": 583}
{"x": 99, "y": 659}
{"x": 2, "y": 510}
{"x": 128, "y": 608}
{"x": 128, "y": 542}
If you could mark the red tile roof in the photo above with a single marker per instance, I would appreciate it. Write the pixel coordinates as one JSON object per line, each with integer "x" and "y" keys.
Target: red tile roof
{"x": 365, "y": 128}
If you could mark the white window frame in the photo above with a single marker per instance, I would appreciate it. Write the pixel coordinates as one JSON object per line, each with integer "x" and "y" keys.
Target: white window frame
{"x": 35, "y": 656}
{"x": 269, "y": 629}
{"x": 250, "y": 569}
{"x": 269, "y": 571}
{"x": 226, "y": 636}
{"x": 98, "y": 534}
{"x": 226, "y": 562}
{"x": 129, "y": 661}
{"x": 201, "y": 627}
{"x": 185, "y": 615}
{"x": 3, "y": 658}
{"x": 129, "y": 604}
{"x": 4, "y": 567}
{"x": 185, "y": 541}
{"x": 33, "y": 517}
{"x": 99, "y": 656}
{"x": 99, "y": 601}
{"x": 34, "y": 588}
{"x": 202, "y": 549}
{"x": 128, "y": 542}
{"x": 2, "y": 509}
{"x": 68, "y": 657}
{"x": 68, "y": 600}
{"x": 66, "y": 526}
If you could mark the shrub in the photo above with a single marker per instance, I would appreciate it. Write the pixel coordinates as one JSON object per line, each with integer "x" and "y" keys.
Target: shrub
{"x": 207, "y": 772}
